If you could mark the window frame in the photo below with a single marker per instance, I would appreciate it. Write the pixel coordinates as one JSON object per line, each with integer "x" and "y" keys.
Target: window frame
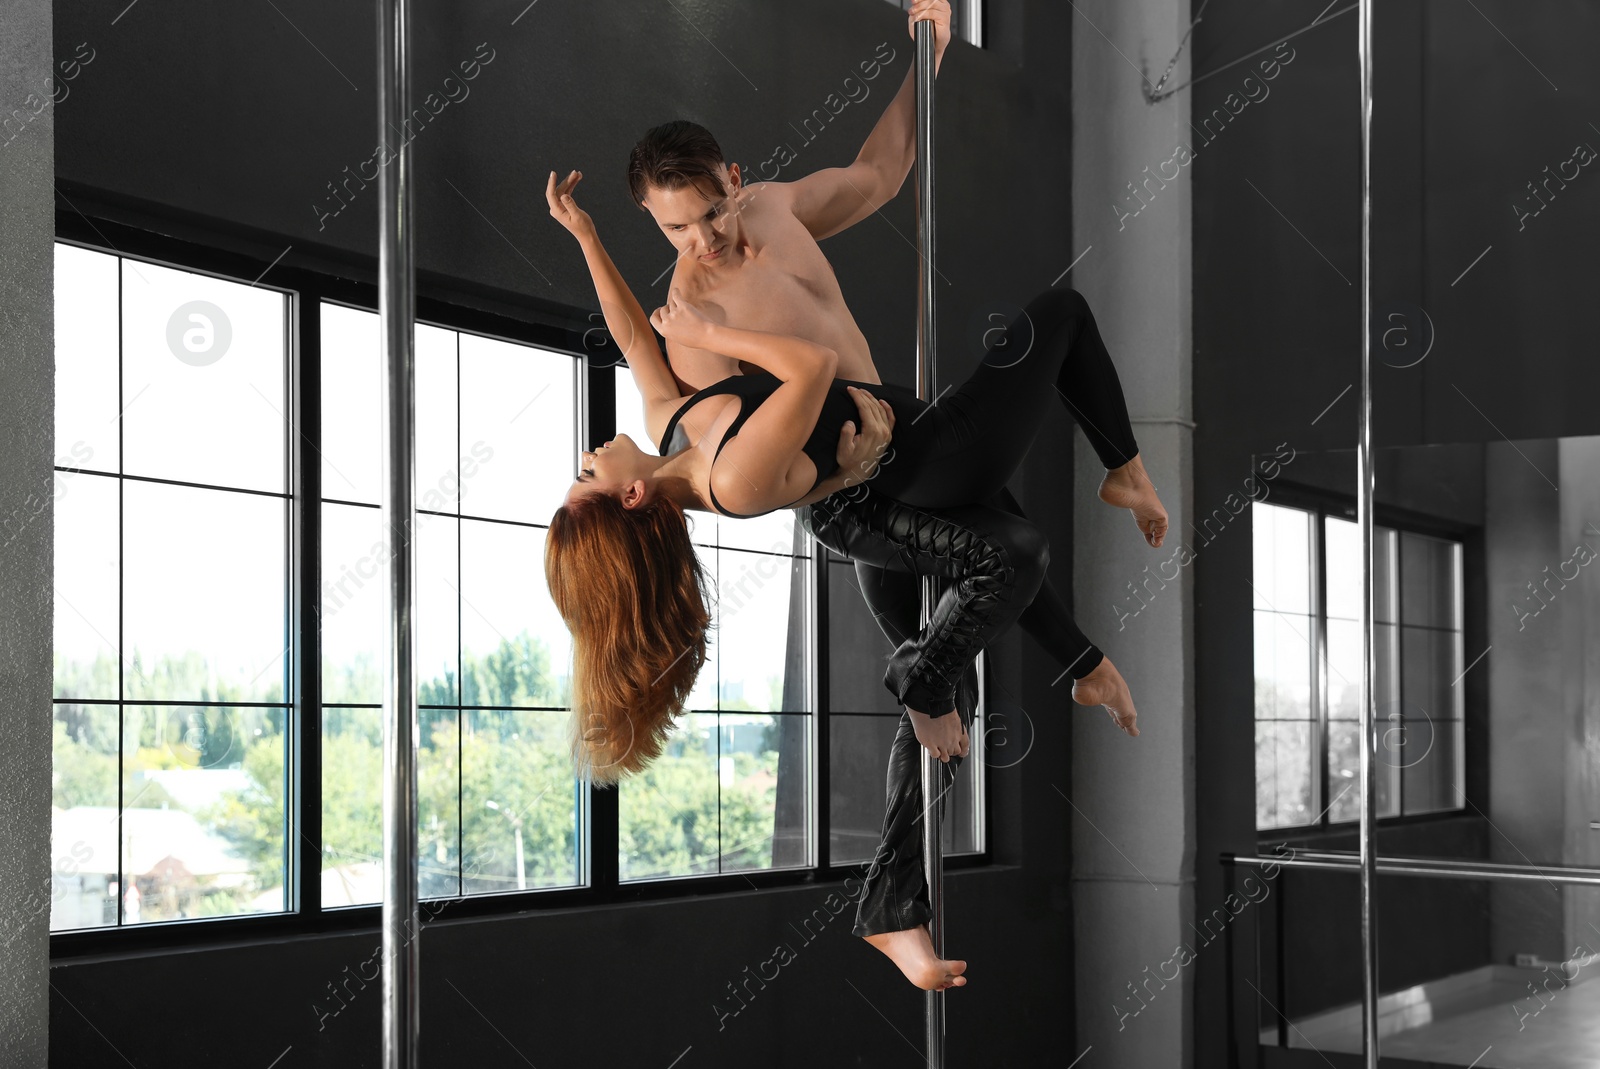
{"x": 320, "y": 274}
{"x": 1323, "y": 504}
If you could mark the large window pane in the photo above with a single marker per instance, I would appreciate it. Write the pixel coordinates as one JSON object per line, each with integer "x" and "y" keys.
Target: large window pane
{"x": 668, "y": 820}
{"x": 1284, "y": 786}
{"x": 443, "y": 463}
{"x": 352, "y": 410}
{"x": 87, "y": 376}
{"x": 728, "y": 795}
{"x": 761, "y": 632}
{"x": 203, "y": 812}
{"x": 1430, "y": 570}
{"x": 763, "y": 777}
{"x": 355, "y": 554}
{"x": 202, "y": 378}
{"x": 1433, "y": 766}
{"x": 355, "y": 568}
{"x": 83, "y": 826}
{"x": 518, "y": 402}
{"x": 352, "y": 404}
{"x": 1283, "y": 666}
{"x": 86, "y": 568}
{"x": 1343, "y": 563}
{"x": 1281, "y": 540}
{"x": 352, "y": 824}
{"x": 439, "y": 803}
{"x": 1432, "y": 663}
{"x": 1344, "y": 668}
{"x": 204, "y": 609}
{"x": 516, "y": 650}
{"x": 520, "y": 802}
{"x": 352, "y": 805}
{"x": 1344, "y": 770}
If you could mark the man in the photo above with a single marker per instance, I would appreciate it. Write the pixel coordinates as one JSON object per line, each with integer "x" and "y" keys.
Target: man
{"x": 748, "y": 256}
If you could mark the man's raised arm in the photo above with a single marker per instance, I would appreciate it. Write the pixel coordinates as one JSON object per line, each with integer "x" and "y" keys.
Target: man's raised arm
{"x": 834, "y": 198}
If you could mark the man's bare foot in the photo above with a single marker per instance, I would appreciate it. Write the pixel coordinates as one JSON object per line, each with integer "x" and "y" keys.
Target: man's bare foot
{"x": 1129, "y": 487}
{"x": 912, "y": 950}
{"x": 1105, "y": 686}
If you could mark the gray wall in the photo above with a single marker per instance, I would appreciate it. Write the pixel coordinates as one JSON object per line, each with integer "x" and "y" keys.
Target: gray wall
{"x": 27, "y": 443}
{"x": 227, "y": 124}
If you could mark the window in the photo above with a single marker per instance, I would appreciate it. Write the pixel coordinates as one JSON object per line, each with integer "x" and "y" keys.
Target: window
{"x": 1307, "y": 584}
{"x": 183, "y": 579}
{"x": 171, "y": 594}
{"x": 966, "y": 19}
{"x": 498, "y": 805}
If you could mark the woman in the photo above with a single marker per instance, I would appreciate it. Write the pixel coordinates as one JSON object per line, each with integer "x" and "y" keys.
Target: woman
{"x": 618, "y": 556}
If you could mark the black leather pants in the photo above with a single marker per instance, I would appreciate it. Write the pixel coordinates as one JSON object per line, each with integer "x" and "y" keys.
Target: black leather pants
{"x": 994, "y": 559}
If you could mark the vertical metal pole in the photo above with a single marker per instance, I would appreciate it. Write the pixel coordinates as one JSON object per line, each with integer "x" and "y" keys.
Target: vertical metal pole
{"x": 1369, "y": 726}
{"x": 927, "y": 390}
{"x": 396, "y": 312}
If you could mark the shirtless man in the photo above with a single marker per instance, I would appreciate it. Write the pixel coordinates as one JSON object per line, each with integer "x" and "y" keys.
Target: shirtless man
{"x": 748, "y": 256}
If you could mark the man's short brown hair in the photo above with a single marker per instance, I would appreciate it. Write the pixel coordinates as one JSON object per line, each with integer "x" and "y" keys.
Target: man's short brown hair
{"x": 675, "y": 155}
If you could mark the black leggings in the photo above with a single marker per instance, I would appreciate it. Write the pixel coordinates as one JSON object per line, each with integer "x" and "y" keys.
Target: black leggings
{"x": 938, "y": 504}
{"x": 968, "y": 443}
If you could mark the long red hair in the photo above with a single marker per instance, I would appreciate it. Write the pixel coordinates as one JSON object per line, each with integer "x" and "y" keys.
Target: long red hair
{"x": 633, "y": 594}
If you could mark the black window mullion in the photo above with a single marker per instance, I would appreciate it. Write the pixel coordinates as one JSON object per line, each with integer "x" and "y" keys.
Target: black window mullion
{"x": 1318, "y": 572}
{"x": 597, "y": 396}
{"x": 461, "y": 693}
{"x": 822, "y": 706}
{"x": 304, "y": 841}
{"x": 122, "y": 508}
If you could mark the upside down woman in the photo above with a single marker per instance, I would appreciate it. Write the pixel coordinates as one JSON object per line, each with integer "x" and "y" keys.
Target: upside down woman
{"x": 624, "y": 576}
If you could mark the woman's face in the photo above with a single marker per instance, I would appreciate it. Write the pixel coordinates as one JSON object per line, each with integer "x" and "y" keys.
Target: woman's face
{"x": 617, "y": 468}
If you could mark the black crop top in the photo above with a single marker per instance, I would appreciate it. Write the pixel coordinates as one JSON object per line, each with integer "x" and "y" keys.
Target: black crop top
{"x": 823, "y": 445}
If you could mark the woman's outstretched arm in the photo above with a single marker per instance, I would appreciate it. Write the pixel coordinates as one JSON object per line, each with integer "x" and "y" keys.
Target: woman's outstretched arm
{"x": 625, "y": 318}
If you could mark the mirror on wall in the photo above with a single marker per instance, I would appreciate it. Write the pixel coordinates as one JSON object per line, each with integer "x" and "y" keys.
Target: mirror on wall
{"x": 1487, "y": 444}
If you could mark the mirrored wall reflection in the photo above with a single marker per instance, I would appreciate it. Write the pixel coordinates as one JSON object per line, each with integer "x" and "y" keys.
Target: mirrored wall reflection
{"x": 1486, "y": 630}
{"x": 1508, "y": 989}
{"x": 1486, "y": 129}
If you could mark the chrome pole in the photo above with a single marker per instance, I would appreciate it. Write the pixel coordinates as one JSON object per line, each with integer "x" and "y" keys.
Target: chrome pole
{"x": 1369, "y": 719}
{"x": 396, "y": 312}
{"x": 927, "y": 390}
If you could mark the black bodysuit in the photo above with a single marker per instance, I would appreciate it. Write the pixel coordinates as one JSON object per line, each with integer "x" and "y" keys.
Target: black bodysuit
{"x": 823, "y": 445}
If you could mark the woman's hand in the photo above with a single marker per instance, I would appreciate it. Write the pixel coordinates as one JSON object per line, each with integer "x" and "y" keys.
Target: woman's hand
{"x": 564, "y": 209}
{"x": 860, "y": 453}
{"x": 943, "y": 736}
{"x": 682, "y": 322}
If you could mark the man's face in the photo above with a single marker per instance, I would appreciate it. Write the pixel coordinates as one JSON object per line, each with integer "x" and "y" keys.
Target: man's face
{"x": 701, "y": 230}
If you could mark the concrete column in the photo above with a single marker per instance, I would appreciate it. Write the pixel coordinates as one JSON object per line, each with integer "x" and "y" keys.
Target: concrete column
{"x": 1525, "y": 693}
{"x": 27, "y": 443}
{"x": 1133, "y": 855}
{"x": 1577, "y": 562}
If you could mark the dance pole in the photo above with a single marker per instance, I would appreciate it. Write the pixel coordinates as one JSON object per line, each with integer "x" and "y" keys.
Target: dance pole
{"x": 396, "y": 310}
{"x": 1369, "y": 719}
{"x": 927, "y": 390}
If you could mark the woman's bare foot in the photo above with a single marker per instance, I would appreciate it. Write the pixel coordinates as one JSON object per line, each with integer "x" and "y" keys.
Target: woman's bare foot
{"x": 1129, "y": 487}
{"x": 1105, "y": 686}
{"x": 912, "y": 950}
